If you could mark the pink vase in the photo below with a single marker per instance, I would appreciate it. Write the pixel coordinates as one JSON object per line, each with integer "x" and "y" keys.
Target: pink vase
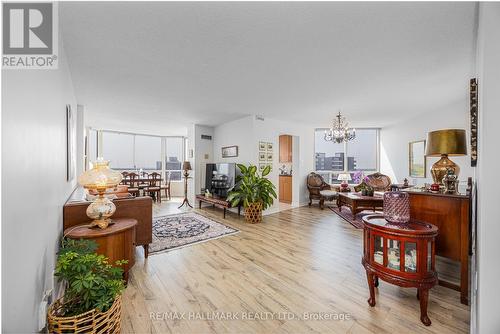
{"x": 397, "y": 207}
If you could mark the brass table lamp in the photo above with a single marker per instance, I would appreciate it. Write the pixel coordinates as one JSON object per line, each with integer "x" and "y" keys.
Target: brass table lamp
{"x": 100, "y": 178}
{"x": 444, "y": 143}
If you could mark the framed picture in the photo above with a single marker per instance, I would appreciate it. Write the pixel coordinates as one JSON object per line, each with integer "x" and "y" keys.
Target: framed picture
{"x": 269, "y": 147}
{"x": 261, "y": 167}
{"x": 416, "y": 157}
{"x": 473, "y": 121}
{"x": 262, "y": 146}
{"x": 230, "y": 151}
{"x": 269, "y": 156}
{"x": 262, "y": 156}
{"x": 70, "y": 143}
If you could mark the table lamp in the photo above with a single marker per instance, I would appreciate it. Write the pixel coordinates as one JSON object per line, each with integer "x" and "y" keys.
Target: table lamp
{"x": 344, "y": 177}
{"x": 186, "y": 166}
{"x": 445, "y": 143}
{"x": 100, "y": 178}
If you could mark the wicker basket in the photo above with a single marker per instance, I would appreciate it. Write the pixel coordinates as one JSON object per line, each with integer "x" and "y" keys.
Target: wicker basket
{"x": 253, "y": 213}
{"x": 89, "y": 322}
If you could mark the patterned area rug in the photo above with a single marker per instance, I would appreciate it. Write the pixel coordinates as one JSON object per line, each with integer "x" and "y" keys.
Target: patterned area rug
{"x": 185, "y": 229}
{"x": 346, "y": 213}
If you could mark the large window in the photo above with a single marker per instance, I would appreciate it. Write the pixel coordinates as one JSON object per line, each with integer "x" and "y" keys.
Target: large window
{"x": 128, "y": 151}
{"x": 358, "y": 157}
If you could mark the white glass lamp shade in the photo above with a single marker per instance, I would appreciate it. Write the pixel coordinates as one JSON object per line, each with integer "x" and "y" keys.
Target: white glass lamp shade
{"x": 344, "y": 177}
{"x": 100, "y": 176}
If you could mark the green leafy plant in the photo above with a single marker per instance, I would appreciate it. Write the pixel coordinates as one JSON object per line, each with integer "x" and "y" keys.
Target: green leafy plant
{"x": 91, "y": 282}
{"x": 252, "y": 188}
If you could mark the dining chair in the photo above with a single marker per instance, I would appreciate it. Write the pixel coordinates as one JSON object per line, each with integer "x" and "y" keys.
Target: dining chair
{"x": 131, "y": 181}
{"x": 166, "y": 186}
{"x": 154, "y": 186}
{"x": 124, "y": 176}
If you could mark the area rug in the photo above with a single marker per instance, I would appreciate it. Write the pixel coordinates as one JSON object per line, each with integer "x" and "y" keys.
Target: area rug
{"x": 347, "y": 215}
{"x": 185, "y": 229}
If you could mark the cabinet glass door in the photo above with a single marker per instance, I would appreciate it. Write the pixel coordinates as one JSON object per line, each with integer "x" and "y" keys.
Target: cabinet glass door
{"x": 393, "y": 254}
{"x": 410, "y": 257}
{"x": 378, "y": 250}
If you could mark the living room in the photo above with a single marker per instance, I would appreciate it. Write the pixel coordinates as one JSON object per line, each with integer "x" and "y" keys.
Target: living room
{"x": 168, "y": 145}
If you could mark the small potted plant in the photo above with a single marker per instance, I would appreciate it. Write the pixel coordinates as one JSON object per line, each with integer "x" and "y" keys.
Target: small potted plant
{"x": 366, "y": 190}
{"x": 93, "y": 287}
{"x": 255, "y": 192}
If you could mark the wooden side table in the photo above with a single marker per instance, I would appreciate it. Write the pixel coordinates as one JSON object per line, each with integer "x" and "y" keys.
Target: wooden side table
{"x": 401, "y": 254}
{"x": 117, "y": 241}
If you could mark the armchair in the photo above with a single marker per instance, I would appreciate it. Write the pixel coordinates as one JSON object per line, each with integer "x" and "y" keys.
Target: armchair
{"x": 319, "y": 189}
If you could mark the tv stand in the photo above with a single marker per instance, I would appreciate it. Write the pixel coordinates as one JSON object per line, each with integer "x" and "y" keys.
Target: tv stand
{"x": 216, "y": 201}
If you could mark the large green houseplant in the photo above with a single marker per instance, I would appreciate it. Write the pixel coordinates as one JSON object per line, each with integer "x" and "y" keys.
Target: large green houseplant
{"x": 255, "y": 192}
{"x": 92, "y": 292}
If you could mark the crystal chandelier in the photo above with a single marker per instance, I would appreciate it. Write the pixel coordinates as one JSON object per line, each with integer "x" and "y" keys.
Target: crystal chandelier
{"x": 340, "y": 131}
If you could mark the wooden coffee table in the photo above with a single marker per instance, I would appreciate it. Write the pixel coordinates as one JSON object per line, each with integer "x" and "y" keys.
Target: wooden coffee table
{"x": 357, "y": 203}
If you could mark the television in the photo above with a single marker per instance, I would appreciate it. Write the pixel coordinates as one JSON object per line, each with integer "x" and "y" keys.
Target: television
{"x": 221, "y": 178}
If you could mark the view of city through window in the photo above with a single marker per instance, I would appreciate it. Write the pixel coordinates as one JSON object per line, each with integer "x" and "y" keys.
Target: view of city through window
{"x": 134, "y": 152}
{"x": 357, "y": 156}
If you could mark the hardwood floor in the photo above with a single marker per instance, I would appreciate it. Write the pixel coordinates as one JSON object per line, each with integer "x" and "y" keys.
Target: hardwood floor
{"x": 297, "y": 263}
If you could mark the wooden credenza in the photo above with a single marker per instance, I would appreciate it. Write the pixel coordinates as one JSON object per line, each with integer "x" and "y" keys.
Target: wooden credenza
{"x": 450, "y": 213}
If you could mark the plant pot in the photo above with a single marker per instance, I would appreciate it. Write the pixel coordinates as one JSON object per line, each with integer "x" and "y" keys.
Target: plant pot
{"x": 253, "y": 213}
{"x": 92, "y": 321}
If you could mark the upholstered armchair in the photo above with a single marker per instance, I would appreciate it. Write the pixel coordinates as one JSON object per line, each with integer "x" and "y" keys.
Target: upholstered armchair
{"x": 377, "y": 181}
{"x": 319, "y": 189}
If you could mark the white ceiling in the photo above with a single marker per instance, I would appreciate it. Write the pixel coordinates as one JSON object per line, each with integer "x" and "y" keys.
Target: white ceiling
{"x": 160, "y": 66}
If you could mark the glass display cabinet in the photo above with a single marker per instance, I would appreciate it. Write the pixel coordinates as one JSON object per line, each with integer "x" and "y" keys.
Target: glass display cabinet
{"x": 401, "y": 254}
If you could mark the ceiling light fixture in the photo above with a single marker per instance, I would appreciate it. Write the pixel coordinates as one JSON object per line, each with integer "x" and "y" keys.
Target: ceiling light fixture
{"x": 340, "y": 131}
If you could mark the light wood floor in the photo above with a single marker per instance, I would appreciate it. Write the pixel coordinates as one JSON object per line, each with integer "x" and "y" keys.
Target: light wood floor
{"x": 298, "y": 261}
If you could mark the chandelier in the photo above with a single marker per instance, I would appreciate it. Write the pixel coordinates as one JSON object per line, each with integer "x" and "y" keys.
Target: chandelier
{"x": 340, "y": 131}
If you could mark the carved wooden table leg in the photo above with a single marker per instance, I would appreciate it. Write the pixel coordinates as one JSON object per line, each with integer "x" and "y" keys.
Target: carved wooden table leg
{"x": 424, "y": 297}
{"x": 371, "y": 283}
{"x": 375, "y": 281}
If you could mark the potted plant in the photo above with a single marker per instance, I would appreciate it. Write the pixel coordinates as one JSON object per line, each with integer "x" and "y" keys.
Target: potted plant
{"x": 255, "y": 192}
{"x": 93, "y": 287}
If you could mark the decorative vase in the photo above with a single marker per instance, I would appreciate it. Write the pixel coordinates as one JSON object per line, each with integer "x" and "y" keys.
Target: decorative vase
{"x": 397, "y": 207}
{"x": 92, "y": 321}
{"x": 253, "y": 213}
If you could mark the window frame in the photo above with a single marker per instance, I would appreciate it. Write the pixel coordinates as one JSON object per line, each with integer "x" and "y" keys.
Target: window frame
{"x": 99, "y": 140}
{"x": 345, "y": 151}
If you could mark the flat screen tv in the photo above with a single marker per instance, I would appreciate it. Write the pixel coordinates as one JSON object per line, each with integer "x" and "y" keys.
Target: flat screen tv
{"x": 221, "y": 178}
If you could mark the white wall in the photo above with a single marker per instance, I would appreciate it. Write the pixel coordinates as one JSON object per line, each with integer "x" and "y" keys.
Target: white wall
{"x": 394, "y": 141}
{"x": 246, "y": 134}
{"x": 488, "y": 227}
{"x": 34, "y": 186}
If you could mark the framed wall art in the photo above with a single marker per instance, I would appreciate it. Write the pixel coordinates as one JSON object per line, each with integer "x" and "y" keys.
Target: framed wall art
{"x": 70, "y": 143}
{"x": 269, "y": 147}
{"x": 262, "y": 146}
{"x": 230, "y": 151}
{"x": 473, "y": 121}
{"x": 416, "y": 158}
{"x": 262, "y": 156}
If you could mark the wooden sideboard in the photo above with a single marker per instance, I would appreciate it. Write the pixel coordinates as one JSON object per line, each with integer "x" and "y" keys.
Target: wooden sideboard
{"x": 451, "y": 214}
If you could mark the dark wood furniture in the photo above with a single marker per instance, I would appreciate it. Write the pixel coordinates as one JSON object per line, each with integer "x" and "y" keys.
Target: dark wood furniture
{"x": 166, "y": 187}
{"x": 216, "y": 201}
{"x": 116, "y": 242}
{"x": 315, "y": 184}
{"x": 285, "y": 148}
{"x": 379, "y": 181}
{"x": 451, "y": 214}
{"x": 357, "y": 203}
{"x": 130, "y": 179}
{"x": 154, "y": 187}
{"x": 285, "y": 188}
{"x": 139, "y": 208}
{"x": 400, "y": 186}
{"x": 400, "y": 254}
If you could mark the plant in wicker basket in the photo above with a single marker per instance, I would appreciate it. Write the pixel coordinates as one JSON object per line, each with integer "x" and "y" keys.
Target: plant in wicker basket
{"x": 254, "y": 191}
{"x": 91, "y": 301}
